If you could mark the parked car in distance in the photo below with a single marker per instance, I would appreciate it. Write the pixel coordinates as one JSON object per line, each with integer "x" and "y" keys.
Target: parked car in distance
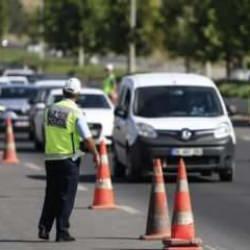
{"x": 172, "y": 116}
{"x": 15, "y": 98}
{"x": 97, "y": 108}
{"x": 4, "y": 80}
{"x": 22, "y": 80}
{"x": 37, "y": 102}
{"x": 24, "y": 72}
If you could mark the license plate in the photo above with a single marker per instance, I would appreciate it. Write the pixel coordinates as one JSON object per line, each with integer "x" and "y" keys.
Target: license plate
{"x": 94, "y": 132}
{"x": 186, "y": 151}
{"x": 21, "y": 124}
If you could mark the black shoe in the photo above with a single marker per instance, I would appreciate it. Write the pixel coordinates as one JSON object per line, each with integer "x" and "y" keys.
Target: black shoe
{"x": 43, "y": 234}
{"x": 65, "y": 236}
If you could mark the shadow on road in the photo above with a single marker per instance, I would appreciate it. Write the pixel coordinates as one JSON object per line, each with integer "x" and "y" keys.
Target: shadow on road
{"x": 21, "y": 241}
{"x": 168, "y": 179}
{"x": 109, "y": 238}
{"x": 22, "y": 149}
{"x": 126, "y": 248}
{"x": 37, "y": 177}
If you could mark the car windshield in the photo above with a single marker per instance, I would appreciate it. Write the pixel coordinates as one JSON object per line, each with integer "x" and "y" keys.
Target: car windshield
{"x": 43, "y": 93}
{"x": 17, "y": 92}
{"x": 173, "y": 101}
{"x": 90, "y": 101}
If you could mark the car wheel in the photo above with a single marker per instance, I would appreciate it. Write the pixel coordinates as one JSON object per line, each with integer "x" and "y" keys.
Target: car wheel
{"x": 226, "y": 176}
{"x": 119, "y": 169}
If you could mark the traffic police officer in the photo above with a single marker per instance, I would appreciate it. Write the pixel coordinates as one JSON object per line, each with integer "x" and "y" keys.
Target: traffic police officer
{"x": 65, "y": 127}
{"x": 109, "y": 83}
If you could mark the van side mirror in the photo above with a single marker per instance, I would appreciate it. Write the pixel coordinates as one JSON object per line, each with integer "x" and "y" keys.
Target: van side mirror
{"x": 231, "y": 109}
{"x": 121, "y": 112}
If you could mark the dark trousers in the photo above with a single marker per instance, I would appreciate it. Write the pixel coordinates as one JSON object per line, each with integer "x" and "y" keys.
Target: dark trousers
{"x": 62, "y": 179}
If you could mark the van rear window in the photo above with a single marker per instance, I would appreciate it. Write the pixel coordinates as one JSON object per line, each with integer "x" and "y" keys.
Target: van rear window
{"x": 177, "y": 101}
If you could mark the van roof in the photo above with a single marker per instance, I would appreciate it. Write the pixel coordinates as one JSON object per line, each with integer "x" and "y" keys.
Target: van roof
{"x": 168, "y": 79}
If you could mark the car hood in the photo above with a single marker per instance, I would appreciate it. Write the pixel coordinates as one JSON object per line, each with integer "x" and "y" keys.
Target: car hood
{"x": 15, "y": 104}
{"x": 99, "y": 115}
{"x": 194, "y": 123}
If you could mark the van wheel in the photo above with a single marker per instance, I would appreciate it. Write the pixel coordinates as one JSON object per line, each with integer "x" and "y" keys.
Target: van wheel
{"x": 226, "y": 175}
{"x": 133, "y": 172}
{"x": 119, "y": 169}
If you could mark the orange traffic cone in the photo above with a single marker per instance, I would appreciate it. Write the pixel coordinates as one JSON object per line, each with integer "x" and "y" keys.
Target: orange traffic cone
{"x": 103, "y": 196}
{"x": 9, "y": 154}
{"x": 158, "y": 226}
{"x": 183, "y": 230}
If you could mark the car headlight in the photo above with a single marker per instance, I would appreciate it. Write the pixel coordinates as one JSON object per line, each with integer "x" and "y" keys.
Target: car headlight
{"x": 146, "y": 130}
{"x": 223, "y": 130}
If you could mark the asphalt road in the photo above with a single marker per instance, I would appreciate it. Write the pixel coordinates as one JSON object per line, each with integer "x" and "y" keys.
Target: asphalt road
{"x": 221, "y": 210}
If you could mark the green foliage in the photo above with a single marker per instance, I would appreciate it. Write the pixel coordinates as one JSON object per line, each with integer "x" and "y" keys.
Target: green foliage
{"x": 208, "y": 30}
{"x": 3, "y": 17}
{"x": 231, "y": 89}
{"x": 54, "y": 65}
{"x": 189, "y": 29}
{"x": 17, "y": 18}
{"x": 118, "y": 33}
{"x": 72, "y": 23}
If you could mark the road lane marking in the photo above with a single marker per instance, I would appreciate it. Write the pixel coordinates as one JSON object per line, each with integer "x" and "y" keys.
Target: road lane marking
{"x": 32, "y": 166}
{"x": 244, "y": 137}
{"x": 207, "y": 247}
{"x": 210, "y": 248}
{"x": 129, "y": 209}
{"x": 81, "y": 188}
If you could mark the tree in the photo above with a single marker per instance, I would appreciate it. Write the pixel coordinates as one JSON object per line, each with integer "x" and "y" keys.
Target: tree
{"x": 233, "y": 27}
{"x": 17, "y": 18}
{"x": 71, "y": 25}
{"x": 207, "y": 30}
{"x": 117, "y": 31}
{"x": 189, "y": 30}
{"x": 3, "y": 18}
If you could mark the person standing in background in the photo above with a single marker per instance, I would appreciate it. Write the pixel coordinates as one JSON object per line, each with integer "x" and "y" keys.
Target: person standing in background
{"x": 109, "y": 83}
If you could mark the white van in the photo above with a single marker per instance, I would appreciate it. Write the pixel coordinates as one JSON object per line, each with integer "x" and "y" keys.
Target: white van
{"x": 168, "y": 116}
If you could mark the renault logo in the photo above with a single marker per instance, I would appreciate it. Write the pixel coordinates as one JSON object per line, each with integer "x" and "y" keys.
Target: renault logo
{"x": 186, "y": 134}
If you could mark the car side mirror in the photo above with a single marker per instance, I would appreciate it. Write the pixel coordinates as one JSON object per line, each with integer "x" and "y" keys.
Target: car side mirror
{"x": 121, "y": 112}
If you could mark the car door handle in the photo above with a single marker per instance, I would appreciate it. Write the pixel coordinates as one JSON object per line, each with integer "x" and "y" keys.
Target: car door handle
{"x": 117, "y": 126}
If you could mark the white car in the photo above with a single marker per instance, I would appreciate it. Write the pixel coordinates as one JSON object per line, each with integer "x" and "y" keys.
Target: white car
{"x": 50, "y": 82}
{"x": 19, "y": 80}
{"x": 97, "y": 108}
{"x": 18, "y": 72}
{"x": 44, "y": 87}
{"x": 168, "y": 116}
{"x": 4, "y": 80}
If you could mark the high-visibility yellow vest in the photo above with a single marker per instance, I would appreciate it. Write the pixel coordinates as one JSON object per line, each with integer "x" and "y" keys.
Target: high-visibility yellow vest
{"x": 62, "y": 139}
{"x": 109, "y": 84}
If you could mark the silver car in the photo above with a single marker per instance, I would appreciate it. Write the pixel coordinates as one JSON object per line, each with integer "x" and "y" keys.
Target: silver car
{"x": 15, "y": 98}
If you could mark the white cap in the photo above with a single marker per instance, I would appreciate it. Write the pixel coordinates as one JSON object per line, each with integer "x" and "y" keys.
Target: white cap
{"x": 73, "y": 85}
{"x": 109, "y": 66}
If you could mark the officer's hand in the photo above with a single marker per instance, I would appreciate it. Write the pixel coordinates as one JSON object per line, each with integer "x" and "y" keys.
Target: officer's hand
{"x": 97, "y": 160}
